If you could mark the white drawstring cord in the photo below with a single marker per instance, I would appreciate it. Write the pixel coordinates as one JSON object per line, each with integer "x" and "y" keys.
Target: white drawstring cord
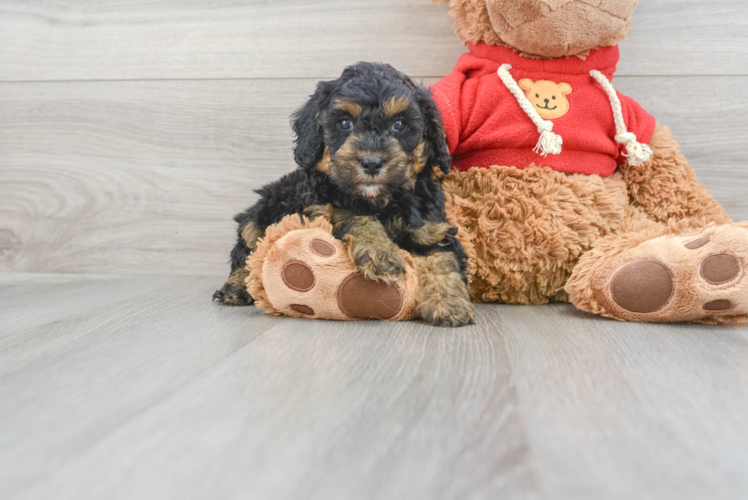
{"x": 638, "y": 153}
{"x": 549, "y": 142}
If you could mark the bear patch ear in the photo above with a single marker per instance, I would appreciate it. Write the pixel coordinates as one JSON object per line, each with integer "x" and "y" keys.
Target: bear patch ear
{"x": 565, "y": 88}
{"x": 525, "y": 84}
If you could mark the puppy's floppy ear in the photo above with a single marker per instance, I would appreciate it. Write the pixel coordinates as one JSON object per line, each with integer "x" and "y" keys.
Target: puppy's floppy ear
{"x": 309, "y": 143}
{"x": 436, "y": 144}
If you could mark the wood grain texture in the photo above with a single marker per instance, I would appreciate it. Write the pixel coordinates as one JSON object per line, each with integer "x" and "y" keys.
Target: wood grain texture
{"x": 624, "y": 410}
{"x": 687, "y": 37}
{"x": 40, "y": 299}
{"x": 298, "y": 38}
{"x": 167, "y": 395}
{"x": 102, "y": 177}
{"x": 171, "y": 396}
{"x": 221, "y": 39}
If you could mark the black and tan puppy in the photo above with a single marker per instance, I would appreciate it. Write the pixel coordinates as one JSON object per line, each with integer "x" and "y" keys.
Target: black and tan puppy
{"x": 366, "y": 145}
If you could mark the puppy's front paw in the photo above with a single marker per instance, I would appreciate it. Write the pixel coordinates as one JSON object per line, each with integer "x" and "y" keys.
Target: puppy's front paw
{"x": 451, "y": 312}
{"x": 383, "y": 265}
{"x": 233, "y": 295}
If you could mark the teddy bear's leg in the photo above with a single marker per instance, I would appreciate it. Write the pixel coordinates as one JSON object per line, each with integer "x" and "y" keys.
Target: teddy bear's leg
{"x": 300, "y": 269}
{"x": 650, "y": 272}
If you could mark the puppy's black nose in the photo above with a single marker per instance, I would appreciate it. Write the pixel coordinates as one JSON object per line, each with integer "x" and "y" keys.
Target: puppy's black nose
{"x": 547, "y": 101}
{"x": 372, "y": 164}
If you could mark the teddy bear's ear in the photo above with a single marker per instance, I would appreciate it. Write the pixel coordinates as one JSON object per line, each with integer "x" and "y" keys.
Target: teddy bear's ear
{"x": 565, "y": 88}
{"x": 526, "y": 84}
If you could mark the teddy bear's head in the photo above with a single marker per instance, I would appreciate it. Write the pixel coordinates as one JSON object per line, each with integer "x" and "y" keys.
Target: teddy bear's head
{"x": 543, "y": 28}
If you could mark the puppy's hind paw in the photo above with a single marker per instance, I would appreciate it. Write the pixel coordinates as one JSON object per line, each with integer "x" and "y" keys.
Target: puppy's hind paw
{"x": 232, "y": 295}
{"x": 448, "y": 312}
{"x": 381, "y": 265}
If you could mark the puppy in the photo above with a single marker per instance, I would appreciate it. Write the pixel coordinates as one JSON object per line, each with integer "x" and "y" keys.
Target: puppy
{"x": 366, "y": 145}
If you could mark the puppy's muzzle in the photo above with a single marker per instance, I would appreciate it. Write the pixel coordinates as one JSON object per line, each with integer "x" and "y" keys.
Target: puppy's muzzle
{"x": 372, "y": 165}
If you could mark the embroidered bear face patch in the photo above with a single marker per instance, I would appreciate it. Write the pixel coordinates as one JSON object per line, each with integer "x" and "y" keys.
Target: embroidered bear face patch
{"x": 548, "y": 98}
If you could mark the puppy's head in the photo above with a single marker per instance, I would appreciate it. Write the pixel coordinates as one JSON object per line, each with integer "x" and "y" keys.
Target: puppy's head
{"x": 372, "y": 131}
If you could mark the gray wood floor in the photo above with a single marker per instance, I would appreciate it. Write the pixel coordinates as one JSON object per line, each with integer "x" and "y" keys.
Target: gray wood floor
{"x": 140, "y": 387}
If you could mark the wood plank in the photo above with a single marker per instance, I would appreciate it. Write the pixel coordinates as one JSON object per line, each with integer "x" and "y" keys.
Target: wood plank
{"x": 30, "y": 300}
{"x": 100, "y": 177}
{"x": 180, "y": 398}
{"x": 221, "y": 39}
{"x": 299, "y": 39}
{"x": 171, "y": 396}
{"x": 161, "y": 179}
{"x": 624, "y": 410}
{"x": 687, "y": 37}
{"x": 66, "y": 385}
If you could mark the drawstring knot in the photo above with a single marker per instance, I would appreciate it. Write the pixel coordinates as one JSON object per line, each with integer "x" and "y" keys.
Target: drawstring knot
{"x": 636, "y": 152}
{"x": 549, "y": 142}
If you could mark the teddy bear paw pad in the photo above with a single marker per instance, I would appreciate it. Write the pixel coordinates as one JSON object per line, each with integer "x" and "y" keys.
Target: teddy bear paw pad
{"x": 363, "y": 298}
{"x": 720, "y": 269}
{"x": 645, "y": 286}
{"x": 307, "y": 273}
{"x": 298, "y": 276}
{"x": 681, "y": 278}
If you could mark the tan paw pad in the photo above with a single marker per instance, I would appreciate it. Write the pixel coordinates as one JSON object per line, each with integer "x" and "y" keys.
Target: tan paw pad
{"x": 362, "y": 298}
{"x": 720, "y": 269}
{"x": 645, "y": 286}
{"x": 718, "y": 305}
{"x": 300, "y": 308}
{"x": 698, "y": 243}
{"x": 322, "y": 248}
{"x": 298, "y": 276}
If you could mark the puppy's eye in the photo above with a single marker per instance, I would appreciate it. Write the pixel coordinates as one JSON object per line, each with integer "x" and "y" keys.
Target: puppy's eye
{"x": 537, "y": 95}
{"x": 345, "y": 124}
{"x": 553, "y": 97}
{"x": 398, "y": 126}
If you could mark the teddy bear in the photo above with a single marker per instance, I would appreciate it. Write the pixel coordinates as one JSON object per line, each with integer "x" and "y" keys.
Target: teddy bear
{"x": 563, "y": 189}
{"x": 566, "y": 190}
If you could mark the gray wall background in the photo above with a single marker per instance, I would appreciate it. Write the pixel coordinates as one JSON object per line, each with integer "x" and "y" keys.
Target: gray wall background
{"x": 132, "y": 131}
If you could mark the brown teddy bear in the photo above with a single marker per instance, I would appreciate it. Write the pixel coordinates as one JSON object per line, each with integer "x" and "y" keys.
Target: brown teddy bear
{"x": 565, "y": 189}
{"x": 562, "y": 188}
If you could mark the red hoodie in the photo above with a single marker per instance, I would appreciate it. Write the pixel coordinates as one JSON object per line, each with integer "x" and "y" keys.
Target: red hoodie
{"x": 486, "y": 126}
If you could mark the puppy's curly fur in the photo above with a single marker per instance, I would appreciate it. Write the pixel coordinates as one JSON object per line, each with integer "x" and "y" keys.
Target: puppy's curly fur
{"x": 367, "y": 145}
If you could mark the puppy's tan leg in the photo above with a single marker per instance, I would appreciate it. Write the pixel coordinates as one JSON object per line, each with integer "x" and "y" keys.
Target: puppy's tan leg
{"x": 314, "y": 211}
{"x": 369, "y": 246}
{"x": 234, "y": 291}
{"x": 432, "y": 233}
{"x": 372, "y": 251}
{"x": 442, "y": 295}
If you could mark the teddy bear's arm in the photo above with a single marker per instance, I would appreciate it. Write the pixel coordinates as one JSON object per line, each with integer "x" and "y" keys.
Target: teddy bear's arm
{"x": 665, "y": 187}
